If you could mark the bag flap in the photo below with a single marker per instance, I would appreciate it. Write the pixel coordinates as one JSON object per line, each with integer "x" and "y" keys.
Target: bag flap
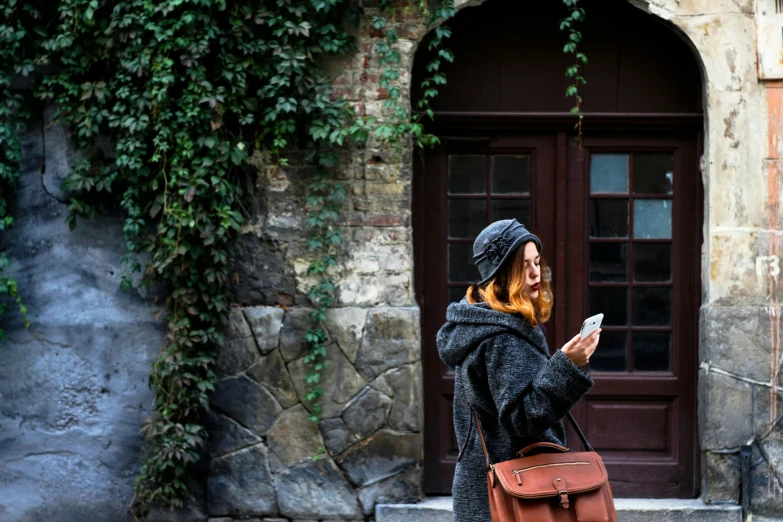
{"x": 535, "y": 477}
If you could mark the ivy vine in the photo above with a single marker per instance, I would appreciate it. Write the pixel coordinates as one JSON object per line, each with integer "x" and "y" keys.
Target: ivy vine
{"x": 186, "y": 90}
{"x": 14, "y": 112}
{"x": 576, "y": 14}
{"x": 325, "y": 196}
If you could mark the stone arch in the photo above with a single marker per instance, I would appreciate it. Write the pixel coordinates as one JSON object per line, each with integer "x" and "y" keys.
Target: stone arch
{"x": 676, "y": 87}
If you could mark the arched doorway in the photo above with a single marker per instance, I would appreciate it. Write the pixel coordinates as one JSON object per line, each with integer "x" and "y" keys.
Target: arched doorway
{"x": 620, "y": 218}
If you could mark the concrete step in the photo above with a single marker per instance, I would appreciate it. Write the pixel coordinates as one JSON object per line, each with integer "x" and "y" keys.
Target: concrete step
{"x": 438, "y": 509}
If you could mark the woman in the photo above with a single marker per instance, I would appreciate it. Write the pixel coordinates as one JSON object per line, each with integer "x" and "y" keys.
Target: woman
{"x": 493, "y": 340}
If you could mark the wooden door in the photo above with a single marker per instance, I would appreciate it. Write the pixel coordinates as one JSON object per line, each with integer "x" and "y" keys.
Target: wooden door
{"x": 465, "y": 186}
{"x": 620, "y": 222}
{"x": 633, "y": 252}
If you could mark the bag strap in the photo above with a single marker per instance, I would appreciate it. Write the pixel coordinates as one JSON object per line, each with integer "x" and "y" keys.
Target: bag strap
{"x": 474, "y": 419}
{"x": 578, "y": 431}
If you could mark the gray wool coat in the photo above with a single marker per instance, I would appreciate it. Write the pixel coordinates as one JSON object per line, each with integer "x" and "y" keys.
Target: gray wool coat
{"x": 520, "y": 395}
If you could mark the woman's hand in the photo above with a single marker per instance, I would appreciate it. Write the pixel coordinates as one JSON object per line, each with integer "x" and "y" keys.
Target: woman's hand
{"x": 579, "y": 350}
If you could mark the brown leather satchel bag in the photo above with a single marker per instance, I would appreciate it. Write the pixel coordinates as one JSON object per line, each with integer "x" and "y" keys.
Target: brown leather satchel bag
{"x": 548, "y": 487}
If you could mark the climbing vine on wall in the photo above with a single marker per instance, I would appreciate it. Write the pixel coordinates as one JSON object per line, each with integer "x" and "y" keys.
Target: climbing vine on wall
{"x": 14, "y": 62}
{"x": 390, "y": 129}
{"x": 573, "y": 72}
{"x": 185, "y": 91}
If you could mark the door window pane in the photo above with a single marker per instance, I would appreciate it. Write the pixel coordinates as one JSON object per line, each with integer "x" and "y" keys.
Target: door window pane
{"x": 511, "y": 174}
{"x": 461, "y": 267}
{"x": 653, "y": 173}
{"x": 609, "y": 173}
{"x": 467, "y": 175}
{"x": 518, "y": 209}
{"x": 652, "y": 219}
{"x": 652, "y": 306}
{"x": 650, "y": 351}
{"x": 467, "y": 217}
{"x": 609, "y": 218}
{"x": 608, "y": 262}
{"x": 652, "y": 262}
{"x": 610, "y": 356}
{"x": 612, "y": 302}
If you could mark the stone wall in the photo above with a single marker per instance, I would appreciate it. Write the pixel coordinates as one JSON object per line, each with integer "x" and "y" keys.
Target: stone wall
{"x": 740, "y": 316}
{"x": 73, "y": 388}
{"x": 268, "y": 459}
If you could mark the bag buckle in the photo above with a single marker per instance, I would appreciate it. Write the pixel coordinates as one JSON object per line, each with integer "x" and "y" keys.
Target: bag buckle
{"x": 562, "y": 488}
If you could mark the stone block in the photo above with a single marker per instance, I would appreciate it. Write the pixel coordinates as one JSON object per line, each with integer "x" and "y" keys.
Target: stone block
{"x": 391, "y": 339}
{"x": 346, "y": 326}
{"x": 766, "y": 489}
{"x": 241, "y": 484}
{"x": 726, "y": 415}
{"x": 316, "y": 489}
{"x": 402, "y": 488}
{"x": 384, "y": 219}
{"x": 340, "y": 381}
{"x": 294, "y": 437}
{"x": 399, "y": 296}
{"x": 721, "y": 477}
{"x": 367, "y": 412}
{"x": 270, "y": 371}
{"x": 263, "y": 276}
{"x": 737, "y": 339}
{"x": 237, "y": 327}
{"x": 337, "y": 436}
{"x": 435, "y": 509}
{"x": 265, "y": 323}
{"x": 248, "y": 402}
{"x": 382, "y": 385}
{"x": 674, "y": 510}
{"x": 236, "y": 356}
{"x": 226, "y": 436}
{"x": 406, "y": 384}
{"x": 360, "y": 291}
{"x": 764, "y": 409}
{"x": 292, "y": 341}
{"x": 381, "y": 455}
{"x": 386, "y": 190}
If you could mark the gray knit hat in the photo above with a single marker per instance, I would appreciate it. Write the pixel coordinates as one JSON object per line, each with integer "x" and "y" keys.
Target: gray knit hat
{"x": 496, "y": 243}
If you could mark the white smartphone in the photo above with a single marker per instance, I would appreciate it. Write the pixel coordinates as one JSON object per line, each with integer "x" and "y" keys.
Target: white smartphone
{"x": 591, "y": 324}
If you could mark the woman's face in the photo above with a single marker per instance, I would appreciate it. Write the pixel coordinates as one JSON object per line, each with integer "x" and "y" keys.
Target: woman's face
{"x": 532, "y": 270}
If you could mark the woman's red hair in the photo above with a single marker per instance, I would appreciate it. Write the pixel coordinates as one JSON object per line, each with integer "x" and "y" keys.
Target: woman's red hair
{"x": 506, "y": 291}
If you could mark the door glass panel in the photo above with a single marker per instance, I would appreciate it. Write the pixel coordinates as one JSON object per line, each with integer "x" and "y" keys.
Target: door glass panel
{"x": 518, "y": 209}
{"x": 653, "y": 173}
{"x": 461, "y": 267}
{"x": 652, "y": 306}
{"x": 612, "y": 302}
{"x": 650, "y": 351}
{"x": 467, "y": 175}
{"x": 467, "y": 217}
{"x": 610, "y": 356}
{"x": 652, "y": 219}
{"x": 511, "y": 174}
{"x": 457, "y": 293}
{"x": 609, "y": 218}
{"x": 609, "y": 173}
{"x": 652, "y": 262}
{"x": 608, "y": 262}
